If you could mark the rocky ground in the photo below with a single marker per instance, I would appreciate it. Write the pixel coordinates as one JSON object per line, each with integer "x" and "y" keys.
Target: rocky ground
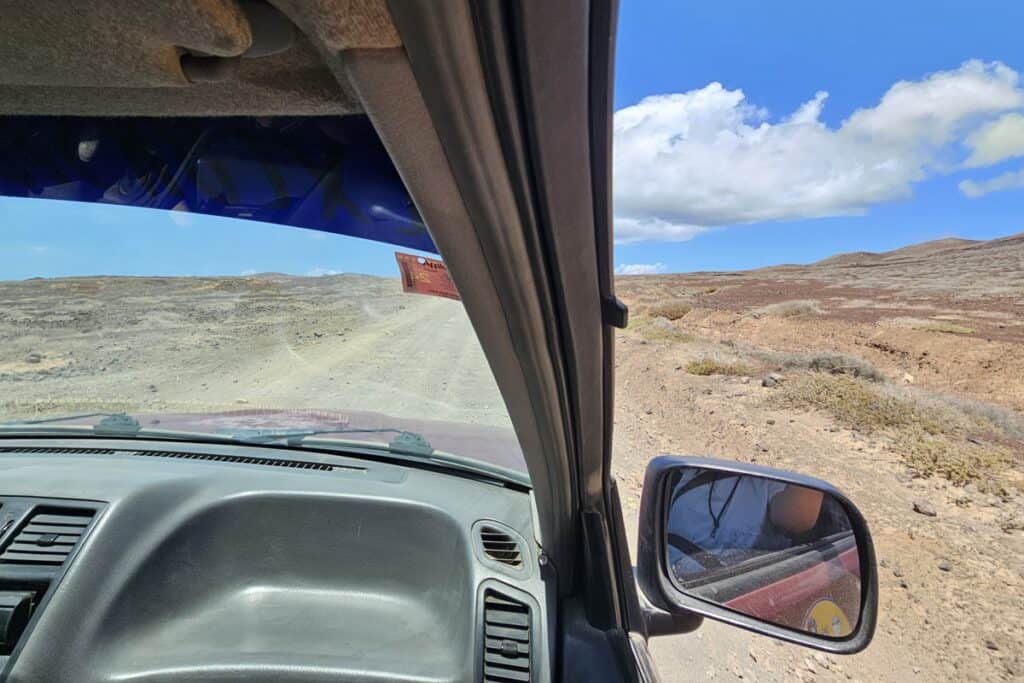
{"x": 749, "y": 368}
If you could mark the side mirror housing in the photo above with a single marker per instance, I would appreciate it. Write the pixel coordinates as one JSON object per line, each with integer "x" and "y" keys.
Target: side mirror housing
{"x": 770, "y": 551}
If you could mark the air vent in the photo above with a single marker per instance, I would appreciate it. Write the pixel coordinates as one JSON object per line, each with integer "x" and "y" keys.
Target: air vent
{"x": 500, "y": 546}
{"x": 58, "y": 451}
{"x": 212, "y": 457}
{"x": 48, "y": 537}
{"x": 246, "y": 460}
{"x": 506, "y": 639}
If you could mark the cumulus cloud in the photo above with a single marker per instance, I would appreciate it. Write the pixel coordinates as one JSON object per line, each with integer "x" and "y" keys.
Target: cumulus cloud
{"x": 1004, "y": 181}
{"x": 320, "y": 272}
{"x": 639, "y": 268}
{"x": 998, "y": 140}
{"x": 689, "y": 162}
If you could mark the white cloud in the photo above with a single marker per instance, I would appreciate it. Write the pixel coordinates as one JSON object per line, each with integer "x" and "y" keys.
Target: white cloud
{"x": 688, "y": 162}
{"x": 639, "y": 268}
{"x": 1004, "y": 181}
{"x": 320, "y": 272}
{"x": 249, "y": 271}
{"x": 629, "y": 230}
{"x": 998, "y": 140}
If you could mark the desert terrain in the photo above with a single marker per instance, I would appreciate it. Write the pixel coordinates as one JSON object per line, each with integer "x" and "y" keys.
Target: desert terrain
{"x": 899, "y": 377}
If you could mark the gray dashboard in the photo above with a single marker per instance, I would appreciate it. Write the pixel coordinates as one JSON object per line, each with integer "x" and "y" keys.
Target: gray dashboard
{"x": 212, "y": 563}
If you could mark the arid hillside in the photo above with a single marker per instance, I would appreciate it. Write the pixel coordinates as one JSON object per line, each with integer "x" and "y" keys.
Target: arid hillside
{"x": 897, "y": 376}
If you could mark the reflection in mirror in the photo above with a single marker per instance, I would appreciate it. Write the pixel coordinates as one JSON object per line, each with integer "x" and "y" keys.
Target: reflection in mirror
{"x": 778, "y": 552}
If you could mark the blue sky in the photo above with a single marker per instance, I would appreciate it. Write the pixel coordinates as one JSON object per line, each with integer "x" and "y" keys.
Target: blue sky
{"x": 727, "y": 156}
{"x": 780, "y": 55}
{"x": 58, "y": 238}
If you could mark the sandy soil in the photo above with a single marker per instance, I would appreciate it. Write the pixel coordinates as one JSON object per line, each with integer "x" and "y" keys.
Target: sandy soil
{"x": 268, "y": 341}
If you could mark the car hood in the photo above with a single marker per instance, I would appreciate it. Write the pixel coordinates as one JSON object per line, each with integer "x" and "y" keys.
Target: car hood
{"x": 491, "y": 445}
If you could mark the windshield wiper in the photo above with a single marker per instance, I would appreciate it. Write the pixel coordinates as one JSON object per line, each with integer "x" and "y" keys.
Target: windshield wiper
{"x": 404, "y": 445}
{"x": 408, "y": 443}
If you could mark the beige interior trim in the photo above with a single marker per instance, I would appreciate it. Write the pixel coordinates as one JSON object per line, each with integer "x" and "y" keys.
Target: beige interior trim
{"x": 123, "y": 57}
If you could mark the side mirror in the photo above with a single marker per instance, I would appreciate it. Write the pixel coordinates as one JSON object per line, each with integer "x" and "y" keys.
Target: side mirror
{"x": 770, "y": 551}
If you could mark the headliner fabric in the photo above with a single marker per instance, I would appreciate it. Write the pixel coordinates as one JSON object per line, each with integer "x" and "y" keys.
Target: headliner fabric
{"x": 295, "y": 82}
{"x": 123, "y": 57}
{"x": 117, "y": 43}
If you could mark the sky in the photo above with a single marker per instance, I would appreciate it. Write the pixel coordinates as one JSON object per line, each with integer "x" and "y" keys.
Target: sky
{"x": 746, "y": 134}
{"x": 752, "y": 133}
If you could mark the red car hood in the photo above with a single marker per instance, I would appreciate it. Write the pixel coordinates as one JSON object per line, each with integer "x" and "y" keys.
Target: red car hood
{"x": 493, "y": 445}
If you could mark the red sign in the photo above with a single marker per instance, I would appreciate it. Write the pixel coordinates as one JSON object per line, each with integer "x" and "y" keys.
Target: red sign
{"x": 421, "y": 275}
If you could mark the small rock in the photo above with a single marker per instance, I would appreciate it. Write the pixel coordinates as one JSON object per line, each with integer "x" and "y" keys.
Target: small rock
{"x": 769, "y": 421}
{"x": 944, "y": 565}
{"x": 809, "y": 665}
{"x": 991, "y": 644}
{"x": 34, "y": 357}
{"x": 152, "y": 388}
{"x": 820, "y": 659}
{"x": 318, "y": 334}
{"x": 706, "y": 392}
{"x": 971, "y": 489}
{"x": 752, "y": 655}
{"x": 897, "y": 572}
{"x": 923, "y": 507}
{"x": 241, "y": 400}
{"x": 908, "y": 378}
{"x": 883, "y": 563}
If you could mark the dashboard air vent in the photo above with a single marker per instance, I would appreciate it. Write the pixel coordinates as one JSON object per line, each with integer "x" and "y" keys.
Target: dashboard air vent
{"x": 500, "y": 547}
{"x": 48, "y": 537}
{"x": 211, "y": 457}
{"x": 506, "y": 639}
{"x": 59, "y": 451}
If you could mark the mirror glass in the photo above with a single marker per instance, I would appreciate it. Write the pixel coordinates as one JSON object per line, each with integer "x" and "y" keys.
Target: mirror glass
{"x": 779, "y": 552}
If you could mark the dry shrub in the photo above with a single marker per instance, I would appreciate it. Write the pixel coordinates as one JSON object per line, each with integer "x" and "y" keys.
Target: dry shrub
{"x": 831, "y": 363}
{"x": 946, "y": 328}
{"x": 790, "y": 309}
{"x": 658, "y": 329}
{"x": 707, "y": 366}
{"x": 961, "y": 462}
{"x": 853, "y": 402}
{"x": 672, "y": 310}
{"x": 931, "y": 436}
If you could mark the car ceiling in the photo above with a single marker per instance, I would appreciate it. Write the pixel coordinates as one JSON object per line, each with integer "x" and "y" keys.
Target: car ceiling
{"x": 125, "y": 57}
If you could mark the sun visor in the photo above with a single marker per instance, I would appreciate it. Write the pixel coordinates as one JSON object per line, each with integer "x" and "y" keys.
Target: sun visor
{"x": 323, "y": 173}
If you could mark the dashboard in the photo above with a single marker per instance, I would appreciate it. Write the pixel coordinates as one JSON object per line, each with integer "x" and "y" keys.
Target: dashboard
{"x": 125, "y": 561}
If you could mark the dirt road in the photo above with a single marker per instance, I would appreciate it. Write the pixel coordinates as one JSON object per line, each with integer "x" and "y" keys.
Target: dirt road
{"x": 181, "y": 344}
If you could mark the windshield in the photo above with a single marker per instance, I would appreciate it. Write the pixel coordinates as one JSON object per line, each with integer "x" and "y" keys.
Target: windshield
{"x": 210, "y": 311}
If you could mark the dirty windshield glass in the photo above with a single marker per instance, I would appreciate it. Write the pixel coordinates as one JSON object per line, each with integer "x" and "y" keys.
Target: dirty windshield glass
{"x": 230, "y": 308}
